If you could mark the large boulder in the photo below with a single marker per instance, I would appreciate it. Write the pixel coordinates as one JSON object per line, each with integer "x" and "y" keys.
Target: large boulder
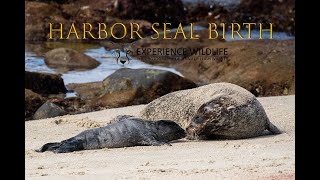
{"x": 48, "y": 110}
{"x": 32, "y": 101}
{"x": 44, "y": 83}
{"x": 139, "y": 86}
{"x": 66, "y": 59}
{"x": 264, "y": 67}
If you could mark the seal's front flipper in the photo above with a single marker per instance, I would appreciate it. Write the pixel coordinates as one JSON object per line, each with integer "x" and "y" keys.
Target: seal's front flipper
{"x": 49, "y": 147}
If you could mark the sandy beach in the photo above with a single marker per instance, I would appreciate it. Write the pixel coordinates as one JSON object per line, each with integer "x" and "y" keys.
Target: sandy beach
{"x": 265, "y": 157}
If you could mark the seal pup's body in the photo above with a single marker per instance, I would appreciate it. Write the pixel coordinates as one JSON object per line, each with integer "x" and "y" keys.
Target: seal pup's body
{"x": 125, "y": 131}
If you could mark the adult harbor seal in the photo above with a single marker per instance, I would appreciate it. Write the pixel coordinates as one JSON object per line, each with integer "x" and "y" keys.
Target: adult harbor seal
{"x": 218, "y": 110}
{"x": 222, "y": 118}
{"x": 125, "y": 131}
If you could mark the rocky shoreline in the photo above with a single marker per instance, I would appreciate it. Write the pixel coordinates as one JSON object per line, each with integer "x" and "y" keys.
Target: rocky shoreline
{"x": 264, "y": 67}
{"x": 125, "y": 87}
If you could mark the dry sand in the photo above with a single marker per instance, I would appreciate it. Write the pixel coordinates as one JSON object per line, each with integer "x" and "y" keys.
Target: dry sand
{"x": 266, "y": 157}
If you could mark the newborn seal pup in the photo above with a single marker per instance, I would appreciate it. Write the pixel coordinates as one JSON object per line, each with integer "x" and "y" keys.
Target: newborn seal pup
{"x": 220, "y": 118}
{"x": 124, "y": 131}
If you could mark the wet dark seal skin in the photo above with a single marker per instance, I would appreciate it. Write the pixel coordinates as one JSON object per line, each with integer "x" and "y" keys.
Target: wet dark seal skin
{"x": 125, "y": 131}
{"x": 221, "y": 118}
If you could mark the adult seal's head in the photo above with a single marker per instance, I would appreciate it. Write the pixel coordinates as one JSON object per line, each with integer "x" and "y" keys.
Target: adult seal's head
{"x": 224, "y": 118}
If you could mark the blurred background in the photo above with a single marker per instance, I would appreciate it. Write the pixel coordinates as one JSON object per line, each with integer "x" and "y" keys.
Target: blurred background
{"x": 76, "y": 76}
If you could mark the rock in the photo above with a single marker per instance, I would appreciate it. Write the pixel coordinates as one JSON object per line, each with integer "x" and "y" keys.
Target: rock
{"x": 72, "y": 105}
{"x": 66, "y": 59}
{"x": 38, "y": 15}
{"x": 139, "y": 86}
{"x": 205, "y": 12}
{"x": 181, "y": 106}
{"x": 80, "y": 12}
{"x": 86, "y": 91}
{"x": 153, "y": 11}
{"x": 48, "y": 110}
{"x": 264, "y": 67}
{"x": 57, "y": 106}
{"x": 50, "y": 1}
{"x": 32, "y": 101}
{"x": 44, "y": 83}
{"x": 280, "y": 13}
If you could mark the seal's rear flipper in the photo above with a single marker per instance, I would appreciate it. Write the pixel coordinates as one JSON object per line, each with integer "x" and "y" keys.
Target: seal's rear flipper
{"x": 273, "y": 129}
{"x": 49, "y": 147}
